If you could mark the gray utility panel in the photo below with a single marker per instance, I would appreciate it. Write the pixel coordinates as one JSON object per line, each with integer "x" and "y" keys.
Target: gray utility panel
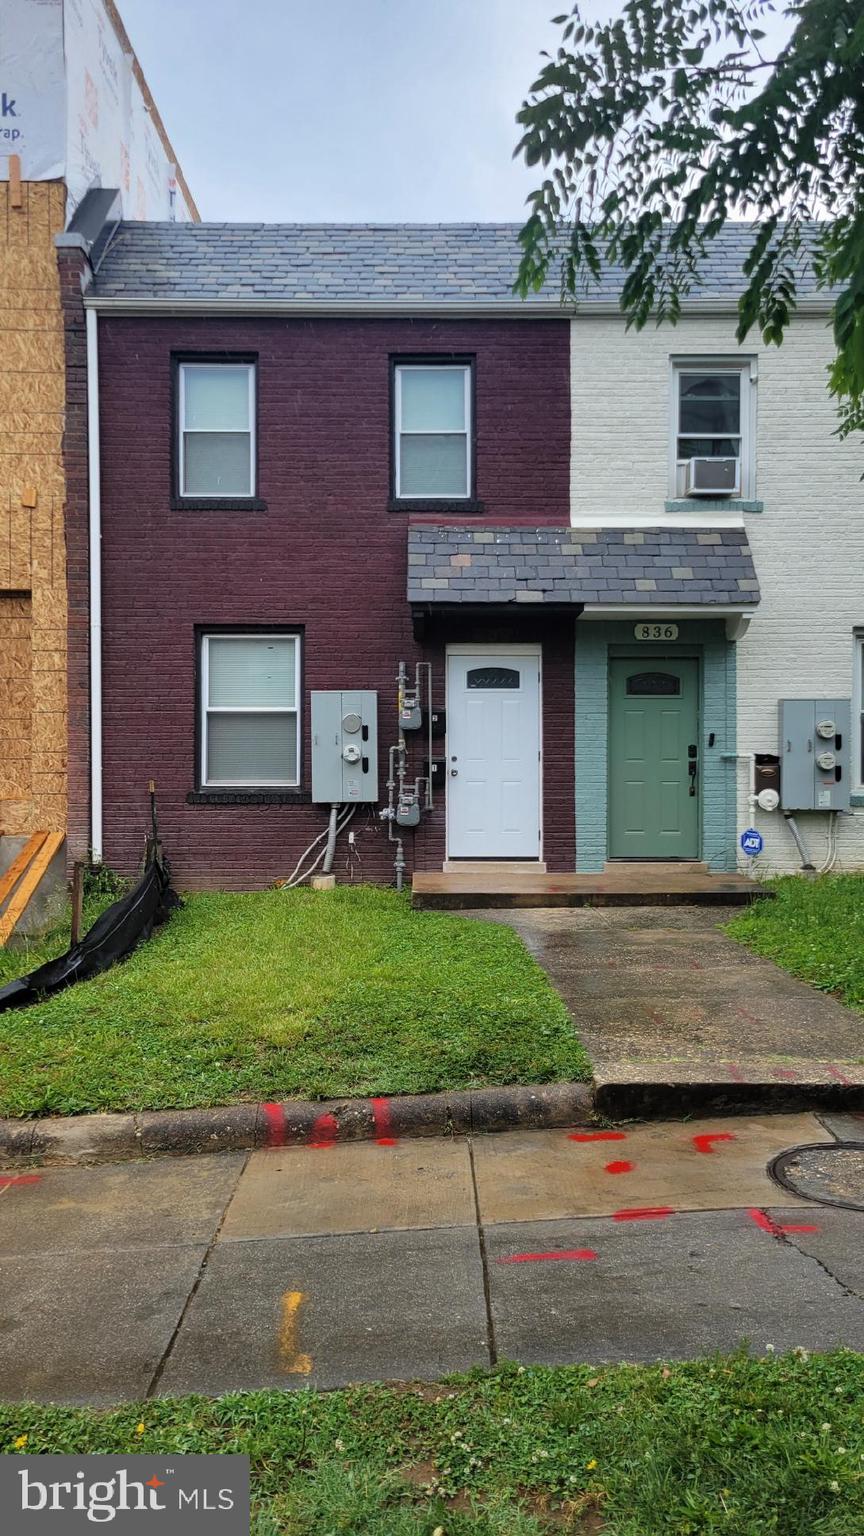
{"x": 344, "y": 746}
{"x": 814, "y": 754}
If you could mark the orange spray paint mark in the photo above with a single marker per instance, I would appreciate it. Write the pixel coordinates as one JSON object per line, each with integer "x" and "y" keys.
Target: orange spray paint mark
{"x": 542, "y": 1258}
{"x": 293, "y": 1361}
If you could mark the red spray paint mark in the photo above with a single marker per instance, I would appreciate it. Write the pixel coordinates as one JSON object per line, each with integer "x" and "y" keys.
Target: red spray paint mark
{"x": 19, "y": 1178}
{"x": 704, "y": 1143}
{"x": 735, "y": 1072}
{"x": 840, "y": 1076}
{"x": 324, "y": 1132}
{"x": 543, "y": 1258}
{"x": 383, "y": 1126}
{"x": 786, "y": 1073}
{"x": 597, "y": 1136}
{"x": 619, "y": 1167}
{"x": 744, "y": 1013}
{"x": 276, "y": 1129}
{"x": 644, "y": 1213}
{"x": 765, "y": 1222}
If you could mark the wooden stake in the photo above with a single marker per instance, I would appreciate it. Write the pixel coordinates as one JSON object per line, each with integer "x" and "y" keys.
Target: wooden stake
{"x": 77, "y": 901}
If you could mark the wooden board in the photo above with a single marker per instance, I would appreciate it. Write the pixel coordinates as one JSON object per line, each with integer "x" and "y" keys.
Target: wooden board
{"x": 13, "y": 874}
{"x": 38, "y": 865}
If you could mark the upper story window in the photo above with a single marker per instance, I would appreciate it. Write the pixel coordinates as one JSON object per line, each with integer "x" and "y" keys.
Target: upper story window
{"x": 216, "y": 430}
{"x": 249, "y": 711}
{"x": 712, "y": 436}
{"x": 432, "y": 448}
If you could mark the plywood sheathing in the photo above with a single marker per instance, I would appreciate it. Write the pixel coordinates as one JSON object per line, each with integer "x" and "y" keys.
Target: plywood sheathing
{"x": 32, "y": 547}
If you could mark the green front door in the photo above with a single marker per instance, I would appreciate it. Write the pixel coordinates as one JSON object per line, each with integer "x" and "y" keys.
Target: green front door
{"x": 653, "y": 759}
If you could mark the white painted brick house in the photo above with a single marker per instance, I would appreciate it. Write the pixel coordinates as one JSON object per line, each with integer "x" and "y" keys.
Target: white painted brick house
{"x": 803, "y": 513}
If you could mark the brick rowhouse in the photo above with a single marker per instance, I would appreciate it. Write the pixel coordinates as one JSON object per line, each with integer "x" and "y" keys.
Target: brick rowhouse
{"x": 326, "y": 555}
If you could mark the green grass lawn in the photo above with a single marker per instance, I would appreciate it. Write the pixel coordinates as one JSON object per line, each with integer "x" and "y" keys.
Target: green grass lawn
{"x": 815, "y": 929}
{"x": 286, "y": 994}
{"x": 768, "y": 1447}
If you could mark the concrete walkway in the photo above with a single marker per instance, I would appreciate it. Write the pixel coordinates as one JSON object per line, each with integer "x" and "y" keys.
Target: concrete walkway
{"x": 677, "y": 1017}
{"x": 315, "y": 1267}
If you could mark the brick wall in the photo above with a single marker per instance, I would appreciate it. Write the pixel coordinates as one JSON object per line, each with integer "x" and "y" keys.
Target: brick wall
{"x": 326, "y": 554}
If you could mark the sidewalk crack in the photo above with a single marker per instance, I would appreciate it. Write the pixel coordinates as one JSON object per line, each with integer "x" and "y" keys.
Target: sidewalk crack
{"x": 169, "y": 1348}
{"x": 788, "y": 1239}
{"x": 846, "y": 1289}
{"x": 484, "y": 1262}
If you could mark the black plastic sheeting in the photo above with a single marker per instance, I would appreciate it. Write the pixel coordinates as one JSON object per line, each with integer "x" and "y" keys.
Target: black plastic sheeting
{"x": 114, "y": 935}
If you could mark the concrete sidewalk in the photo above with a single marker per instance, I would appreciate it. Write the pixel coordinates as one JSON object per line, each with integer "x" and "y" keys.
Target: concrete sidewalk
{"x": 678, "y": 1018}
{"x": 315, "y": 1267}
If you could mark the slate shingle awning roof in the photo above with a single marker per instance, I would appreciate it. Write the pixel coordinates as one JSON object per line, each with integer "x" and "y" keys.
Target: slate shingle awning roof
{"x": 643, "y": 566}
{"x": 470, "y": 264}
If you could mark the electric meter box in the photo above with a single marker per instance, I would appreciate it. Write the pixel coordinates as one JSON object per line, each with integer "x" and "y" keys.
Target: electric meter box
{"x": 344, "y": 746}
{"x": 814, "y": 754}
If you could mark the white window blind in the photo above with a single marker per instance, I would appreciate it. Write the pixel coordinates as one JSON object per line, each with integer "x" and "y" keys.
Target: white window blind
{"x": 217, "y": 429}
{"x": 250, "y": 710}
{"x": 433, "y": 431}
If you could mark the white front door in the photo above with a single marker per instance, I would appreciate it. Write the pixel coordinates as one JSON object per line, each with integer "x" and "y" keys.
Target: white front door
{"x": 493, "y": 754}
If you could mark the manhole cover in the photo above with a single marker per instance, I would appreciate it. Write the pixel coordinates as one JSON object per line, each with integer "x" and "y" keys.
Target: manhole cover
{"x": 831, "y": 1173}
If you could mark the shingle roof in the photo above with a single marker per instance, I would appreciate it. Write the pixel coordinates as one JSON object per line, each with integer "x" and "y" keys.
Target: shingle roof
{"x": 573, "y": 565}
{"x": 360, "y": 263}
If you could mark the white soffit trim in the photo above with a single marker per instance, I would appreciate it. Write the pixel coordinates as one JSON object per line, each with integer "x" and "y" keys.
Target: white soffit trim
{"x": 736, "y": 619}
{"x": 130, "y": 304}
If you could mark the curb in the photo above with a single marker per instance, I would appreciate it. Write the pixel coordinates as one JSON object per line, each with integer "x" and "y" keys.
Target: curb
{"x": 298, "y": 1122}
{"x": 673, "y": 1100}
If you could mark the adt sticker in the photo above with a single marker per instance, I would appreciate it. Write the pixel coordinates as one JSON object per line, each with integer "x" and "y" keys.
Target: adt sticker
{"x": 752, "y": 842}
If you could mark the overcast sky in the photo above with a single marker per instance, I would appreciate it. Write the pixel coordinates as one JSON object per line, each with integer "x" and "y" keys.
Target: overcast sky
{"x": 346, "y": 109}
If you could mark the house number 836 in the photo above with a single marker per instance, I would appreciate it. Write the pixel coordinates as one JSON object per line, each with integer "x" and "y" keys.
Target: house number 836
{"x": 656, "y": 631}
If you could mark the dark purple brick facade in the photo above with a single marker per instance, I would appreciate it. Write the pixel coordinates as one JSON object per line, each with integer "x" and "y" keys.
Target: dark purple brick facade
{"x": 326, "y": 555}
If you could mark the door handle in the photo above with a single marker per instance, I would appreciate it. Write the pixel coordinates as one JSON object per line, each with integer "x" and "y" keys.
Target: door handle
{"x": 454, "y": 773}
{"x": 692, "y": 769}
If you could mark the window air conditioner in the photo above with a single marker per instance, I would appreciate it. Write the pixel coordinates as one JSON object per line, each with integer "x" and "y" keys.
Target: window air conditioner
{"x": 713, "y": 477}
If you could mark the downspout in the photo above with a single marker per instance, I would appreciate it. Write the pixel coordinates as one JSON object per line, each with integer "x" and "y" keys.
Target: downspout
{"x": 95, "y": 530}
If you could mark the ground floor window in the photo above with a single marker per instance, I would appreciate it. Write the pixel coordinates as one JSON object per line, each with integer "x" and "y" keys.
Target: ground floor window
{"x": 249, "y": 705}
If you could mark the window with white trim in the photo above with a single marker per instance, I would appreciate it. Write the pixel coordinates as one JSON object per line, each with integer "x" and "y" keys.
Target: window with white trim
{"x": 250, "y": 726}
{"x": 432, "y": 431}
{"x": 712, "y": 410}
{"x": 858, "y": 711}
{"x": 216, "y": 429}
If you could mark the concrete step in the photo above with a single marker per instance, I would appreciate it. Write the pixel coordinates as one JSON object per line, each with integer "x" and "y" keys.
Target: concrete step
{"x": 494, "y": 867}
{"x": 616, "y": 887}
{"x": 651, "y": 867}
